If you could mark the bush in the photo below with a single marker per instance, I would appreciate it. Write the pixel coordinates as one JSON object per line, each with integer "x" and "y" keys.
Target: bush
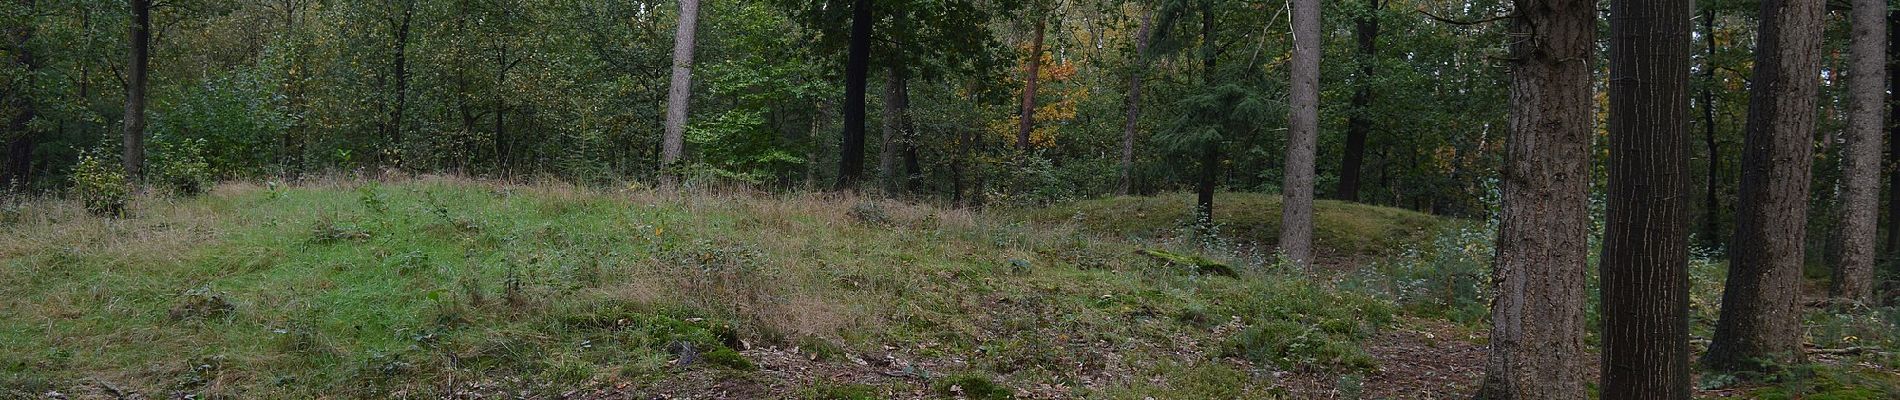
{"x": 179, "y": 164}
{"x": 101, "y": 185}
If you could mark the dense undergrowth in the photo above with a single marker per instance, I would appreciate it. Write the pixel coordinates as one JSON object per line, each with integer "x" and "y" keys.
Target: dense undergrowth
{"x": 432, "y": 286}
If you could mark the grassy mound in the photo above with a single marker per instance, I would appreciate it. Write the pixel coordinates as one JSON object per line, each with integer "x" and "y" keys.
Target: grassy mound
{"x": 1340, "y": 228}
{"x": 425, "y": 287}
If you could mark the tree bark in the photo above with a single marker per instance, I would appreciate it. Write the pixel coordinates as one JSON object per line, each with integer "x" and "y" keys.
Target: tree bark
{"x": 894, "y": 109}
{"x": 1537, "y": 318}
{"x": 1860, "y": 194}
{"x": 1027, "y": 123}
{"x": 1210, "y": 151}
{"x": 679, "y": 96}
{"x": 1645, "y": 276}
{"x": 400, "y": 60}
{"x": 1893, "y": 137}
{"x": 1359, "y": 123}
{"x": 1296, "y": 207}
{"x": 1760, "y": 319}
{"x": 134, "y": 134}
{"x": 1134, "y": 105}
{"x": 857, "y": 68}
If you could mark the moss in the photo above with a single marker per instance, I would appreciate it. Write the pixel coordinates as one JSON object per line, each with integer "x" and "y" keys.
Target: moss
{"x": 726, "y": 357}
{"x": 840, "y": 391}
{"x": 972, "y": 386}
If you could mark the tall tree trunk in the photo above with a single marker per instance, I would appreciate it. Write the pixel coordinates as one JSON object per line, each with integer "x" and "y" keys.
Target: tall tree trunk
{"x": 856, "y": 70}
{"x": 1359, "y": 123}
{"x": 1712, "y": 203}
{"x": 1210, "y": 152}
{"x": 134, "y": 135}
{"x": 1027, "y": 123}
{"x": 1126, "y": 183}
{"x": 400, "y": 59}
{"x": 1760, "y": 323}
{"x": 1296, "y": 208}
{"x": 18, "y": 170}
{"x": 1860, "y": 194}
{"x": 679, "y": 96}
{"x": 1537, "y": 317}
{"x": 1645, "y": 275}
{"x": 1893, "y": 137}
{"x": 888, "y": 175}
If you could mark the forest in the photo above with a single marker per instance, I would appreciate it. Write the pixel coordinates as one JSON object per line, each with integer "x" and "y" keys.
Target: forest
{"x": 959, "y": 199}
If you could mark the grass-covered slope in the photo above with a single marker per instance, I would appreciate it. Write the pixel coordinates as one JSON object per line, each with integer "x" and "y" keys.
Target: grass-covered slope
{"x": 1340, "y": 228}
{"x": 439, "y": 286}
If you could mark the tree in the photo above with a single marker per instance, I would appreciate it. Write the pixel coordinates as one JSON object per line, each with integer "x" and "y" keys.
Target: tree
{"x": 1537, "y": 317}
{"x": 1759, "y": 326}
{"x": 679, "y": 96}
{"x": 1296, "y": 221}
{"x": 136, "y": 70}
{"x": 1645, "y": 276}
{"x": 1359, "y": 122}
{"x": 857, "y": 67}
{"x": 17, "y": 104}
{"x": 1124, "y": 187}
{"x": 399, "y": 22}
{"x": 896, "y": 132}
{"x": 1027, "y": 121}
{"x": 1860, "y": 189}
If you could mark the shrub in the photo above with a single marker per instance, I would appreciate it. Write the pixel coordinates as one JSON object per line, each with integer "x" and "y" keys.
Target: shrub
{"x": 179, "y": 164}
{"x": 101, "y": 185}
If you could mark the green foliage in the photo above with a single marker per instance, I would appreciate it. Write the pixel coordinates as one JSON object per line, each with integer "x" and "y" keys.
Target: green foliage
{"x": 1302, "y": 325}
{"x": 179, "y": 164}
{"x": 972, "y": 386}
{"x": 831, "y": 391}
{"x": 101, "y": 185}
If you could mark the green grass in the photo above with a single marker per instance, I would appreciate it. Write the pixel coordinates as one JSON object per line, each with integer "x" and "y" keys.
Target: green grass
{"x": 362, "y": 289}
{"x": 1340, "y": 228}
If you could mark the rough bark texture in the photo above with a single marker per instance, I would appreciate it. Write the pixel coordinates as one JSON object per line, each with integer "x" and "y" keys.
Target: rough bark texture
{"x": 856, "y": 70}
{"x": 1296, "y": 209}
{"x": 896, "y": 105}
{"x": 134, "y": 134}
{"x": 1645, "y": 276}
{"x": 1537, "y": 318}
{"x": 17, "y": 172}
{"x": 1359, "y": 123}
{"x": 1126, "y": 185}
{"x": 1761, "y": 314}
{"x": 1860, "y": 186}
{"x": 679, "y": 95}
{"x": 1027, "y": 123}
{"x": 1893, "y": 138}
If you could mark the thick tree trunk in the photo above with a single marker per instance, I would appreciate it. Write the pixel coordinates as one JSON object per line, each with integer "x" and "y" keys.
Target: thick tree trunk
{"x": 1760, "y": 323}
{"x": 888, "y": 176}
{"x": 1537, "y": 317}
{"x": 1126, "y": 183}
{"x": 679, "y": 96}
{"x": 1296, "y": 208}
{"x": 857, "y": 69}
{"x": 1027, "y": 123}
{"x": 1860, "y": 194}
{"x": 1359, "y": 123}
{"x": 1712, "y": 199}
{"x": 1645, "y": 276}
{"x": 134, "y": 134}
{"x": 1893, "y": 137}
